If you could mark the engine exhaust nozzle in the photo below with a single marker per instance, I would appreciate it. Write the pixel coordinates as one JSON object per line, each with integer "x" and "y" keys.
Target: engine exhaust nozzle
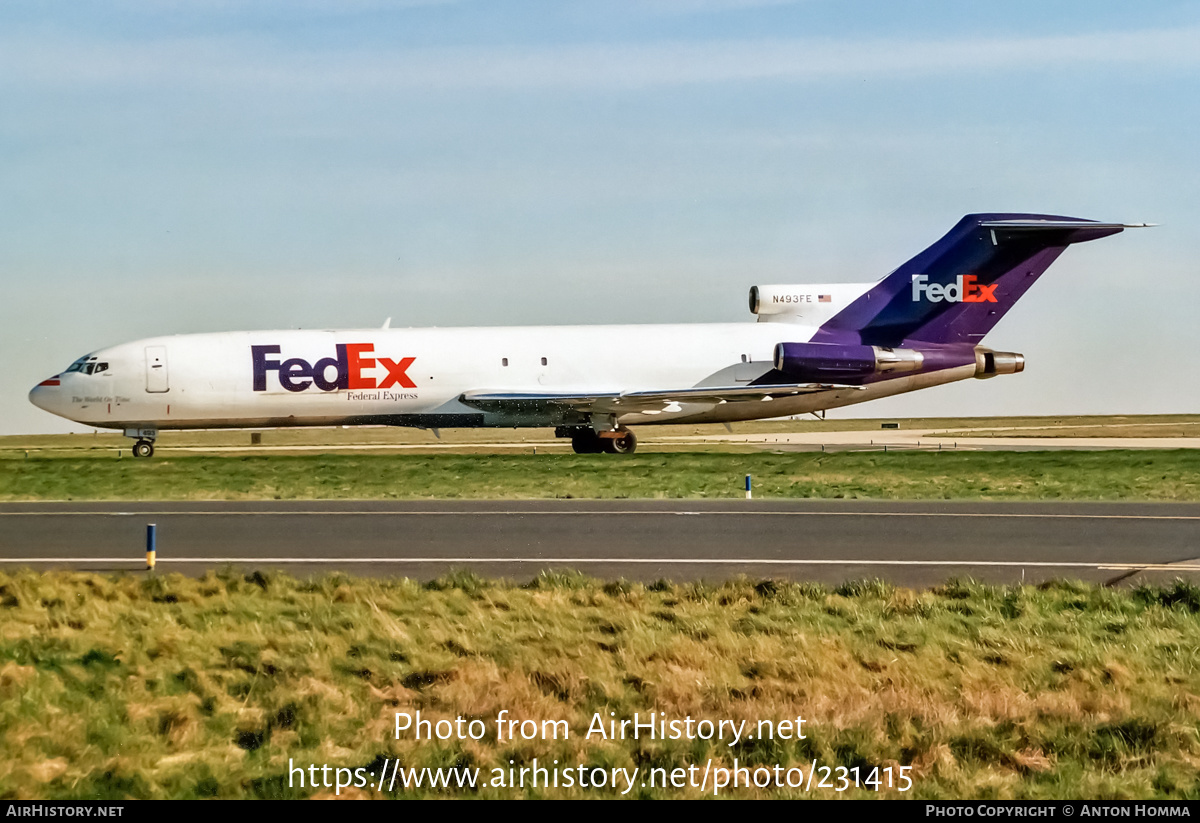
{"x": 990, "y": 363}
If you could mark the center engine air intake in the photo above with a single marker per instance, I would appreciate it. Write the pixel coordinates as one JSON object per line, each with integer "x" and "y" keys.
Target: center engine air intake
{"x": 842, "y": 363}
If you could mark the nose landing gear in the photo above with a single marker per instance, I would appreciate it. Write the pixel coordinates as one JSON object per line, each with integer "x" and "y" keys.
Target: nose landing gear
{"x": 144, "y": 447}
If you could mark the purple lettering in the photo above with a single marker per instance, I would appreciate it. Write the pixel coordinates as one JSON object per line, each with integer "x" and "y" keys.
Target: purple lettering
{"x": 343, "y": 363}
{"x": 319, "y": 371}
{"x": 292, "y": 370}
{"x": 258, "y": 356}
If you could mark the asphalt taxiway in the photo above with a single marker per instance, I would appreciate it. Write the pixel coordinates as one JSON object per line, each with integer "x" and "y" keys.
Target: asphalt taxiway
{"x": 912, "y": 544}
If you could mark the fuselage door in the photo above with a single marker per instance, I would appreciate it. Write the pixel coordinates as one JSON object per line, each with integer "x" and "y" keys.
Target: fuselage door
{"x": 156, "y": 369}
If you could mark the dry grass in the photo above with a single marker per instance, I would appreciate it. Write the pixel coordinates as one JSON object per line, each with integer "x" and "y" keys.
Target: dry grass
{"x": 174, "y": 687}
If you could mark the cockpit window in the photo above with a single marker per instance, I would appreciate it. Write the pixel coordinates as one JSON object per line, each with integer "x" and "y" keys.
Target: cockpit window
{"x": 87, "y": 365}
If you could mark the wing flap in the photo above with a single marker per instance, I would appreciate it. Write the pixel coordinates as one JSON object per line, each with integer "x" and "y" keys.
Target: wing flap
{"x": 506, "y": 401}
{"x": 638, "y": 401}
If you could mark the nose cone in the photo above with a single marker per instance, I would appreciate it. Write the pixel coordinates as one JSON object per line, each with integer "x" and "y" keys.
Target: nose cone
{"x": 44, "y": 394}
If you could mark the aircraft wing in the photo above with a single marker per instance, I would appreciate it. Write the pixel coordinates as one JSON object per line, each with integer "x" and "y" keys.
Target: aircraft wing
{"x": 639, "y": 401}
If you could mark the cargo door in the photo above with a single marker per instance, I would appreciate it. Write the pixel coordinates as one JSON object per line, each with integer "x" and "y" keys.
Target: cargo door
{"x": 156, "y": 369}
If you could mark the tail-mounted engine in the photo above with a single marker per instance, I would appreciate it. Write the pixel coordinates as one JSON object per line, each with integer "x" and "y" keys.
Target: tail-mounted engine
{"x": 809, "y": 305}
{"x": 819, "y": 362}
{"x": 838, "y": 363}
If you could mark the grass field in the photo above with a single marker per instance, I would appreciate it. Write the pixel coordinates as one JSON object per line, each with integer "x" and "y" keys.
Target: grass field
{"x": 138, "y": 686}
{"x": 1066, "y": 475}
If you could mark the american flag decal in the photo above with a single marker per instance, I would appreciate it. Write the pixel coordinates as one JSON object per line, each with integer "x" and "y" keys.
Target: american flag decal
{"x": 823, "y": 298}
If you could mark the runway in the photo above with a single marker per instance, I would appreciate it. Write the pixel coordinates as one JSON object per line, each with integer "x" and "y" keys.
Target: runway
{"x": 911, "y": 544}
{"x": 940, "y": 440}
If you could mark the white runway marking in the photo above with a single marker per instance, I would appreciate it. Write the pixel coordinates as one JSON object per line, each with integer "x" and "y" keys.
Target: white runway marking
{"x": 599, "y": 512}
{"x": 1106, "y": 566}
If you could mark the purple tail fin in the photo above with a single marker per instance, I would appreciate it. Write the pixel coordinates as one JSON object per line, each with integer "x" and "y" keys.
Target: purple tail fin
{"x": 958, "y": 289}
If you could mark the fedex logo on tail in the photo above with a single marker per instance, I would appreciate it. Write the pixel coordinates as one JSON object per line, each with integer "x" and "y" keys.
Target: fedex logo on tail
{"x": 344, "y": 371}
{"x": 965, "y": 289}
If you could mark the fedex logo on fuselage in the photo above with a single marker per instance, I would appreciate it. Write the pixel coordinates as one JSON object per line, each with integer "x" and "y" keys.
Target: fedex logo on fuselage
{"x": 344, "y": 371}
{"x": 965, "y": 289}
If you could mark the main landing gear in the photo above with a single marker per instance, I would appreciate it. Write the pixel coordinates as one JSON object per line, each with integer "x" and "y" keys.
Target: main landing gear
{"x": 586, "y": 440}
{"x": 623, "y": 443}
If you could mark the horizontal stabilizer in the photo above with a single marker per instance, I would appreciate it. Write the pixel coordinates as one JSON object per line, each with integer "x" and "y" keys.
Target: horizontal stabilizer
{"x": 1060, "y": 224}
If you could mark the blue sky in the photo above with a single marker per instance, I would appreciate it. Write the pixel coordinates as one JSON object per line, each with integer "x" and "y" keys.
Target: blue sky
{"x": 174, "y": 167}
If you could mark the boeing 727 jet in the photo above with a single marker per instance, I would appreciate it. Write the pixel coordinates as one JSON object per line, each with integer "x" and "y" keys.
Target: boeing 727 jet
{"x": 814, "y": 347}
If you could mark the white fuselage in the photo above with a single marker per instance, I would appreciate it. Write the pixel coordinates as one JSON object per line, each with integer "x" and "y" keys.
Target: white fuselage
{"x": 303, "y": 378}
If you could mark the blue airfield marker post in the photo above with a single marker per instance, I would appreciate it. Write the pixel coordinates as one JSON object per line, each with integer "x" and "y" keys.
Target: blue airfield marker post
{"x": 151, "y": 546}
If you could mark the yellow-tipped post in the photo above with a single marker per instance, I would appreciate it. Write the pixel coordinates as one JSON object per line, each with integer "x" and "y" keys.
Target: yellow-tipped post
{"x": 151, "y": 547}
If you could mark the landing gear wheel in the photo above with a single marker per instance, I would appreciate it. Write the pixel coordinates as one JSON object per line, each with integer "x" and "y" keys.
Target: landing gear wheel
{"x": 586, "y": 442}
{"x": 625, "y": 444}
{"x": 143, "y": 448}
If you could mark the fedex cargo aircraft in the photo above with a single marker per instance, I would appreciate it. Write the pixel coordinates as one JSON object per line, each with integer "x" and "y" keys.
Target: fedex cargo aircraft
{"x": 814, "y": 347}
